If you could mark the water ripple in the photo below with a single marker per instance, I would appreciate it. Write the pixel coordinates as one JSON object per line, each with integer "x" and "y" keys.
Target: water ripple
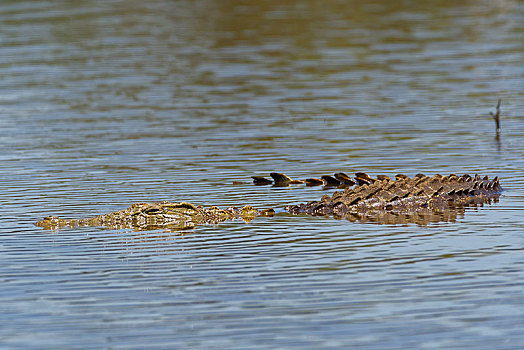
{"x": 107, "y": 103}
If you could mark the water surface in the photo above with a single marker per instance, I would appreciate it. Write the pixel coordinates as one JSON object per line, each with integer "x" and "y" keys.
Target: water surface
{"x": 106, "y": 103}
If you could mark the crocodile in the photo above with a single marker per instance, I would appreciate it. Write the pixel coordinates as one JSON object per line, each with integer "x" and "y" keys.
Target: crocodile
{"x": 420, "y": 199}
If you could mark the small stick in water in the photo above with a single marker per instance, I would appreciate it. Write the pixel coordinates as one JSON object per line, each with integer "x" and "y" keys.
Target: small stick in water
{"x": 496, "y": 117}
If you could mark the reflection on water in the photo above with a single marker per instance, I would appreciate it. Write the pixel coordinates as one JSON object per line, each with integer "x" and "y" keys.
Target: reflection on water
{"x": 107, "y": 103}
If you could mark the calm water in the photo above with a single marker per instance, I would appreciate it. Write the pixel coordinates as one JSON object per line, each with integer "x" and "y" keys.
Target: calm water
{"x": 106, "y": 103}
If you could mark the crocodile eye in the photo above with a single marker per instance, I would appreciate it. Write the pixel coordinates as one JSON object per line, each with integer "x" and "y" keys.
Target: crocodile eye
{"x": 150, "y": 211}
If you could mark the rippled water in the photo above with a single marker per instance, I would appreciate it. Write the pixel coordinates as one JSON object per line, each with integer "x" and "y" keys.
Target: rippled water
{"x": 106, "y": 103}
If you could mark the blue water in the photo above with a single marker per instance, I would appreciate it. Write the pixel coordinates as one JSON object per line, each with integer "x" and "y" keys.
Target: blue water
{"x": 107, "y": 103}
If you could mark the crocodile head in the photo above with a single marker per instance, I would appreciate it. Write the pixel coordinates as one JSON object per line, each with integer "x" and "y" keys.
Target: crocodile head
{"x": 160, "y": 215}
{"x": 139, "y": 216}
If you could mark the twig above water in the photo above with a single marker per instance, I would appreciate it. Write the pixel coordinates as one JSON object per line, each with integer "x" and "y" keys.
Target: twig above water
{"x": 496, "y": 117}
